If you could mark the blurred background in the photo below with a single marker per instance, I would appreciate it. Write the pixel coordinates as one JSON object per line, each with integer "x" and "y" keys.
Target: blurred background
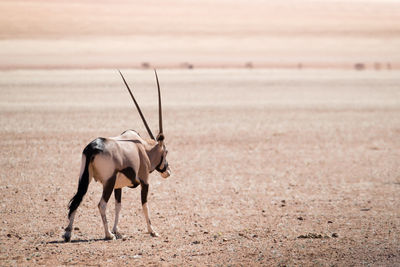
{"x": 207, "y": 34}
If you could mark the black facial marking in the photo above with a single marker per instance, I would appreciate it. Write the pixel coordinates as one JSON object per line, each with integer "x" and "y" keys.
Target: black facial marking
{"x": 144, "y": 192}
{"x": 159, "y": 165}
{"x": 108, "y": 188}
{"x": 164, "y": 155}
{"x": 117, "y": 195}
{"x": 131, "y": 175}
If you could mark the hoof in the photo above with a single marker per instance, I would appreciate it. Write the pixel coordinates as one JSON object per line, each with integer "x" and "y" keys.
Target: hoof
{"x": 117, "y": 235}
{"x": 154, "y": 234}
{"x": 111, "y": 237}
{"x": 67, "y": 236}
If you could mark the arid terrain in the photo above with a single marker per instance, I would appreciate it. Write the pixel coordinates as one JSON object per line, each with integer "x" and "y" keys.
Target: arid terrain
{"x": 260, "y": 159}
{"x": 209, "y": 33}
{"x": 282, "y": 121}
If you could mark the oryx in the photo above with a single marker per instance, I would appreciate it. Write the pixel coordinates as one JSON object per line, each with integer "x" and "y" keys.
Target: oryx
{"x": 116, "y": 162}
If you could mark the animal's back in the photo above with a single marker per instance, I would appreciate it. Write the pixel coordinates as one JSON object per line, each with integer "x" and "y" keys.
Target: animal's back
{"x": 129, "y": 135}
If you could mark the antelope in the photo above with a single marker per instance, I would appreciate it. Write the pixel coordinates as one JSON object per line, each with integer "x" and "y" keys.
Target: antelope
{"x": 122, "y": 161}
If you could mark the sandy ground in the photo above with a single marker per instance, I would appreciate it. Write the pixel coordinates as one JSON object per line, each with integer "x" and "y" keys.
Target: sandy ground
{"x": 296, "y": 166}
{"x": 260, "y": 158}
{"x": 207, "y": 33}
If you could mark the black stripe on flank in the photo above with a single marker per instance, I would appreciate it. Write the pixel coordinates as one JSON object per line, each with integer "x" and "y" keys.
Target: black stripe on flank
{"x": 131, "y": 175}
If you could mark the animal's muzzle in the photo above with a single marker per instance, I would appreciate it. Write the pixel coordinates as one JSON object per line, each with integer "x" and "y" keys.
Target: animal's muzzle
{"x": 166, "y": 173}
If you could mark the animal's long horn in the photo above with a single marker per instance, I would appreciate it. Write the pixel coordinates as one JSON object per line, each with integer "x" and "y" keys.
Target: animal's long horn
{"x": 159, "y": 105}
{"x": 138, "y": 108}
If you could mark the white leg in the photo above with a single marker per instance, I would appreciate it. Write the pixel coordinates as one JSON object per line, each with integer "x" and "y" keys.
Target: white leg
{"x": 115, "y": 228}
{"x": 144, "y": 192}
{"x": 146, "y": 216}
{"x": 102, "y": 208}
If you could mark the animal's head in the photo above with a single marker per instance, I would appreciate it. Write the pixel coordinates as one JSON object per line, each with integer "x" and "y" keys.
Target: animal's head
{"x": 160, "y": 150}
{"x": 162, "y": 167}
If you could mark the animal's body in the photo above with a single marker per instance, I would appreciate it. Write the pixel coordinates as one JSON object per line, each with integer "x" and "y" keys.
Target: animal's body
{"x": 116, "y": 162}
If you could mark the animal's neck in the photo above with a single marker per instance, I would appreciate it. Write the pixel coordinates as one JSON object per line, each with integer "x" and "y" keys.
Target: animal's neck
{"x": 152, "y": 152}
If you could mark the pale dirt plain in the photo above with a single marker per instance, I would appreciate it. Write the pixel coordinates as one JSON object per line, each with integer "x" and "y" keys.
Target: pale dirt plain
{"x": 296, "y": 144}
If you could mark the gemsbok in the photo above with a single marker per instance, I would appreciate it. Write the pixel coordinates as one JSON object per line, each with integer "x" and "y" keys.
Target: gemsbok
{"x": 117, "y": 162}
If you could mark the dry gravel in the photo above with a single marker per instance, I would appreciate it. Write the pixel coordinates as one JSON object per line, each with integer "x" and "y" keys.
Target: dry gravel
{"x": 269, "y": 167}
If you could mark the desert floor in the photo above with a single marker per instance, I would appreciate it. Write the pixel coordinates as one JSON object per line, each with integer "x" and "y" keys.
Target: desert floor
{"x": 282, "y": 153}
{"x": 260, "y": 158}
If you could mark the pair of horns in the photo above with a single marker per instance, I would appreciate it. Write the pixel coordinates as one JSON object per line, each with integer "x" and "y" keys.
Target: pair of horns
{"x": 140, "y": 112}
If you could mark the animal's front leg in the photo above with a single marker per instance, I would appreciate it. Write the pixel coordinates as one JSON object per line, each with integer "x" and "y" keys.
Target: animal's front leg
{"x": 144, "y": 192}
{"x": 107, "y": 190}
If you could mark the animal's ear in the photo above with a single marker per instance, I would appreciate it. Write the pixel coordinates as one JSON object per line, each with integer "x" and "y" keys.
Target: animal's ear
{"x": 160, "y": 138}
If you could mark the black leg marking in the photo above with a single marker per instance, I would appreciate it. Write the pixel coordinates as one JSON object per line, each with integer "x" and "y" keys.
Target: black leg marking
{"x": 107, "y": 191}
{"x": 144, "y": 192}
{"x": 117, "y": 195}
{"x": 108, "y": 188}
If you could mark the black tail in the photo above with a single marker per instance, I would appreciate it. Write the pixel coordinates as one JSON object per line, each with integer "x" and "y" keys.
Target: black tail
{"x": 93, "y": 148}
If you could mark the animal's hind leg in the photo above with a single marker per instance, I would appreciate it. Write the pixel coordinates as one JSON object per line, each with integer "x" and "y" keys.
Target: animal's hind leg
{"x": 68, "y": 230}
{"x": 117, "y": 195}
{"x": 76, "y": 200}
{"x": 107, "y": 190}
